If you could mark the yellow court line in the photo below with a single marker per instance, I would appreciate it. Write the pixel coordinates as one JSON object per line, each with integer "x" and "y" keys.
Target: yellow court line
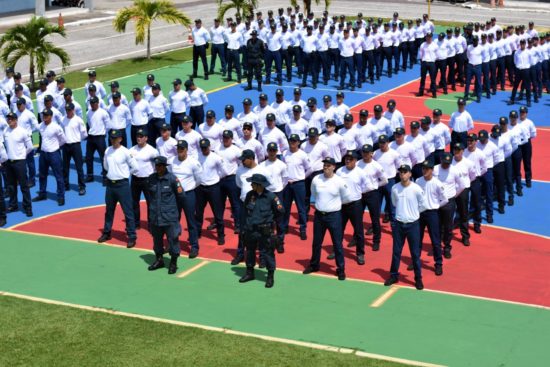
{"x": 384, "y": 297}
{"x": 183, "y": 274}
{"x": 327, "y": 348}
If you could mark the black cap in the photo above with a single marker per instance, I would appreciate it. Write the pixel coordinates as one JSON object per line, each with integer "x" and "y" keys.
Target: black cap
{"x": 426, "y": 120}
{"x": 311, "y": 101}
{"x": 383, "y": 138}
{"x": 204, "y": 143}
{"x": 48, "y": 98}
{"x": 351, "y": 154}
{"x": 115, "y": 84}
{"x": 458, "y": 146}
{"x": 262, "y": 96}
{"x": 210, "y": 113}
{"x": 495, "y": 131}
{"x": 247, "y": 101}
{"x": 248, "y": 125}
{"x": 59, "y": 80}
{"x": 47, "y": 112}
{"x": 461, "y": 101}
{"x": 270, "y": 117}
{"x": 427, "y": 164}
{"x": 9, "y": 69}
{"x": 69, "y": 106}
{"x": 503, "y": 120}
{"x": 94, "y": 99}
{"x": 348, "y": 117}
{"x": 11, "y": 116}
{"x": 258, "y": 179}
{"x": 297, "y": 108}
{"x": 165, "y": 126}
{"x": 18, "y": 88}
{"x": 188, "y": 83}
{"x": 366, "y": 148}
{"x": 363, "y": 112}
{"x": 136, "y": 91}
{"x": 340, "y": 95}
{"x": 437, "y": 112}
{"x": 327, "y": 98}
{"x": 391, "y": 102}
{"x": 156, "y": 86}
{"x": 472, "y": 136}
{"x": 272, "y": 146}
{"x": 176, "y": 81}
{"x": 297, "y": 91}
{"x": 43, "y": 82}
{"x": 150, "y": 77}
{"x": 21, "y": 101}
{"x": 116, "y": 95}
{"x": 160, "y": 161}
{"x": 49, "y": 74}
{"x": 513, "y": 114}
{"x": 229, "y": 108}
{"x": 330, "y": 122}
{"x": 182, "y": 144}
{"x": 114, "y": 133}
{"x": 186, "y": 119}
{"x": 329, "y": 160}
{"x": 227, "y": 134}
{"x": 247, "y": 154}
{"x": 312, "y": 132}
{"x": 92, "y": 87}
{"x": 378, "y": 108}
{"x": 92, "y": 73}
{"x": 404, "y": 168}
{"x": 446, "y": 158}
{"x": 483, "y": 134}
{"x": 142, "y": 131}
{"x": 399, "y": 131}
{"x": 279, "y": 92}
{"x": 294, "y": 137}
{"x": 415, "y": 125}
{"x": 523, "y": 109}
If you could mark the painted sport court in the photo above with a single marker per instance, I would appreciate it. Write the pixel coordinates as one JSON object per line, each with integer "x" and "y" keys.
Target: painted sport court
{"x": 490, "y": 308}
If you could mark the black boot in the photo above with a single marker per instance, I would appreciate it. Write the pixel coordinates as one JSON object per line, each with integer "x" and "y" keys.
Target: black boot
{"x": 159, "y": 263}
{"x": 249, "y": 86}
{"x": 248, "y": 276}
{"x": 269, "y": 281}
{"x": 173, "y": 265}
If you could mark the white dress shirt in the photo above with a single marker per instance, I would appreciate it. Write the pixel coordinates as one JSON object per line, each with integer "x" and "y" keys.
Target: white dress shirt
{"x": 466, "y": 173}
{"x": 297, "y": 164}
{"x": 193, "y": 139}
{"x": 198, "y": 97}
{"x": 213, "y": 132}
{"x": 121, "y": 117}
{"x": 145, "y": 166}
{"x": 406, "y": 152}
{"x": 200, "y": 36}
{"x": 18, "y": 143}
{"x": 212, "y": 168}
{"x": 119, "y": 163}
{"x": 98, "y": 121}
{"x": 167, "y": 148}
{"x": 188, "y": 172}
{"x": 231, "y": 158}
{"x": 434, "y": 193}
{"x": 375, "y": 174}
{"x": 179, "y": 101}
{"x": 329, "y": 193}
{"x": 140, "y": 112}
{"x": 408, "y": 202}
{"x": 461, "y": 121}
{"x": 74, "y": 129}
{"x": 389, "y": 160}
{"x": 356, "y": 182}
{"x": 449, "y": 178}
{"x": 277, "y": 174}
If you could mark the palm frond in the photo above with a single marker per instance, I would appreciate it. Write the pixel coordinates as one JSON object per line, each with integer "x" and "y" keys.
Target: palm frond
{"x": 224, "y": 9}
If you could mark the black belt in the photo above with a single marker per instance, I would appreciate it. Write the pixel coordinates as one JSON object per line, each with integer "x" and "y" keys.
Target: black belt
{"x": 351, "y": 203}
{"x": 16, "y": 160}
{"x": 114, "y": 182}
{"x": 78, "y": 142}
{"x": 139, "y": 178}
{"x": 324, "y": 213}
{"x": 217, "y": 183}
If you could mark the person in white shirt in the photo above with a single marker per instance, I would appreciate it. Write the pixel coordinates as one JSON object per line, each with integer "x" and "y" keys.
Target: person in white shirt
{"x": 98, "y": 120}
{"x": 474, "y": 55}
{"x": 121, "y": 117}
{"x": 448, "y": 176}
{"x": 390, "y": 160}
{"x": 352, "y": 207}
{"x": 144, "y": 154}
{"x": 3, "y": 160}
{"x": 434, "y": 199}
{"x": 92, "y": 92}
{"x": 347, "y": 52}
{"x": 140, "y": 110}
{"x": 273, "y": 43}
{"x": 217, "y": 34}
{"x": 527, "y": 148}
{"x": 466, "y": 172}
{"x": 159, "y": 108}
{"x": 75, "y": 131}
{"x": 208, "y": 190}
{"x": 49, "y": 104}
{"x": 201, "y": 37}
{"x": 188, "y": 172}
{"x": 297, "y": 125}
{"x": 192, "y": 137}
{"x": 365, "y": 132}
{"x": 17, "y": 81}
{"x": 166, "y": 144}
{"x": 408, "y": 199}
{"x": 316, "y": 151}
{"x": 230, "y": 154}
{"x": 370, "y": 199}
{"x": 118, "y": 164}
{"x": 405, "y": 149}
{"x": 520, "y": 135}
{"x": 234, "y": 43}
{"x": 477, "y": 156}
{"x": 491, "y": 154}
{"x": 7, "y": 84}
{"x": 251, "y": 143}
{"x": 278, "y": 179}
{"x": 330, "y": 191}
{"x": 309, "y": 45}
{"x": 394, "y": 115}
{"x": 27, "y": 120}
{"x": 100, "y": 89}
{"x": 510, "y": 145}
{"x": 335, "y": 142}
{"x": 427, "y": 53}
{"x": 68, "y": 98}
{"x": 283, "y": 110}
{"x": 461, "y": 123}
{"x": 299, "y": 167}
{"x": 198, "y": 100}
{"x": 499, "y": 169}
{"x": 115, "y": 87}
{"x": 271, "y": 134}
{"x": 314, "y": 116}
{"x": 53, "y": 138}
{"x": 179, "y": 101}
{"x": 18, "y": 145}
{"x": 442, "y": 135}
{"x": 19, "y": 96}
{"x": 420, "y": 148}
{"x": 381, "y": 125}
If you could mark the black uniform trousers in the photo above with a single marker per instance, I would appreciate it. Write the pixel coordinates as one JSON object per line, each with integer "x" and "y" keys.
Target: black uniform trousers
{"x": 527, "y": 153}
{"x": 358, "y": 66}
{"x": 46, "y": 161}
{"x": 218, "y": 49}
{"x": 309, "y": 60}
{"x": 118, "y": 191}
{"x": 286, "y": 56}
{"x": 485, "y": 70}
{"x": 346, "y": 64}
{"x": 196, "y": 113}
{"x": 501, "y": 71}
{"x": 486, "y": 181}
{"x": 459, "y": 137}
{"x": 493, "y": 70}
{"x": 425, "y": 68}
{"x": 441, "y": 68}
{"x": 473, "y": 70}
{"x": 16, "y": 173}
{"x": 462, "y": 205}
{"x": 295, "y": 191}
{"x": 475, "y": 200}
{"x": 516, "y": 169}
{"x": 334, "y": 59}
{"x": 368, "y": 66}
{"x": 210, "y": 194}
{"x": 189, "y": 205}
{"x": 133, "y": 132}
{"x": 229, "y": 189}
{"x": 139, "y": 185}
{"x": 233, "y": 61}
{"x": 451, "y": 77}
{"x": 199, "y": 51}
{"x": 308, "y": 181}
{"x": 430, "y": 219}
{"x": 446, "y": 218}
{"x": 175, "y": 122}
{"x": 95, "y": 143}
{"x": 404, "y": 53}
{"x": 254, "y": 70}
{"x": 324, "y": 64}
{"x": 73, "y": 151}
{"x": 499, "y": 177}
{"x": 331, "y": 221}
{"x": 386, "y": 55}
{"x": 509, "y": 176}
{"x": 522, "y": 76}
{"x": 273, "y": 56}
{"x": 353, "y": 212}
{"x": 298, "y": 59}
{"x": 153, "y": 130}
{"x": 172, "y": 233}
{"x": 371, "y": 200}
{"x": 2, "y": 202}
{"x": 255, "y": 240}
{"x": 378, "y": 62}
{"x": 410, "y": 232}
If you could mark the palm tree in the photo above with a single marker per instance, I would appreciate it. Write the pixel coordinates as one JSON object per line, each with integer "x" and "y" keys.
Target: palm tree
{"x": 29, "y": 40}
{"x": 143, "y": 13}
{"x": 243, "y": 7}
{"x": 307, "y": 4}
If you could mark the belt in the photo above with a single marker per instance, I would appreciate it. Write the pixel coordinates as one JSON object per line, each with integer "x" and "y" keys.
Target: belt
{"x": 114, "y": 182}
{"x": 78, "y": 142}
{"x": 351, "y": 203}
{"x": 324, "y": 213}
{"x": 16, "y": 160}
{"x": 217, "y": 183}
{"x": 139, "y": 178}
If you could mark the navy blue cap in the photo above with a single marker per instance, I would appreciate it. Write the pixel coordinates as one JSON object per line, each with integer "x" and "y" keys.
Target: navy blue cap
{"x": 114, "y": 133}
{"x": 329, "y": 160}
{"x": 272, "y": 146}
{"x": 115, "y": 84}
{"x": 182, "y": 144}
{"x": 160, "y": 160}
{"x": 204, "y": 143}
{"x": 446, "y": 158}
{"x": 247, "y": 154}
{"x": 294, "y": 137}
{"x": 404, "y": 168}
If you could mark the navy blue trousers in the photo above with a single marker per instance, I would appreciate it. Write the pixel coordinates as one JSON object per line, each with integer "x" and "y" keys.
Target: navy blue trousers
{"x": 73, "y": 151}
{"x": 229, "y": 189}
{"x": 430, "y": 219}
{"x": 446, "y": 217}
{"x": 51, "y": 160}
{"x": 172, "y": 233}
{"x": 385, "y": 193}
{"x": 295, "y": 191}
{"x": 218, "y": 50}
{"x": 371, "y": 200}
{"x": 487, "y": 190}
{"x": 119, "y": 192}
{"x": 410, "y": 232}
{"x": 95, "y": 143}
{"x": 346, "y": 64}
{"x": 211, "y": 195}
{"x": 473, "y": 70}
{"x": 332, "y": 222}
{"x": 31, "y": 167}
{"x": 16, "y": 173}
{"x": 189, "y": 204}
{"x": 353, "y": 212}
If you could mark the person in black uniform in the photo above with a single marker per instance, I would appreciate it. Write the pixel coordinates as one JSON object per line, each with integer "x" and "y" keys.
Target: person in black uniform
{"x": 166, "y": 196}
{"x": 262, "y": 208}
{"x": 255, "y": 49}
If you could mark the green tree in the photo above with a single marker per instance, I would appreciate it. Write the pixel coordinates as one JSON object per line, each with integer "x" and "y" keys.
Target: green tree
{"x": 143, "y": 13}
{"x": 30, "y": 40}
{"x": 243, "y": 8}
{"x": 307, "y": 4}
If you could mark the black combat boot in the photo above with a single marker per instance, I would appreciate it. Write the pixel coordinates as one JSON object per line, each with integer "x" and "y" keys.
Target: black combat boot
{"x": 173, "y": 265}
{"x": 270, "y": 280}
{"x": 248, "y": 276}
{"x": 159, "y": 263}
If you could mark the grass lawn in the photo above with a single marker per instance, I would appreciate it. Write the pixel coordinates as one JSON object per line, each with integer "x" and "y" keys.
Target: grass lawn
{"x": 37, "y": 334}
